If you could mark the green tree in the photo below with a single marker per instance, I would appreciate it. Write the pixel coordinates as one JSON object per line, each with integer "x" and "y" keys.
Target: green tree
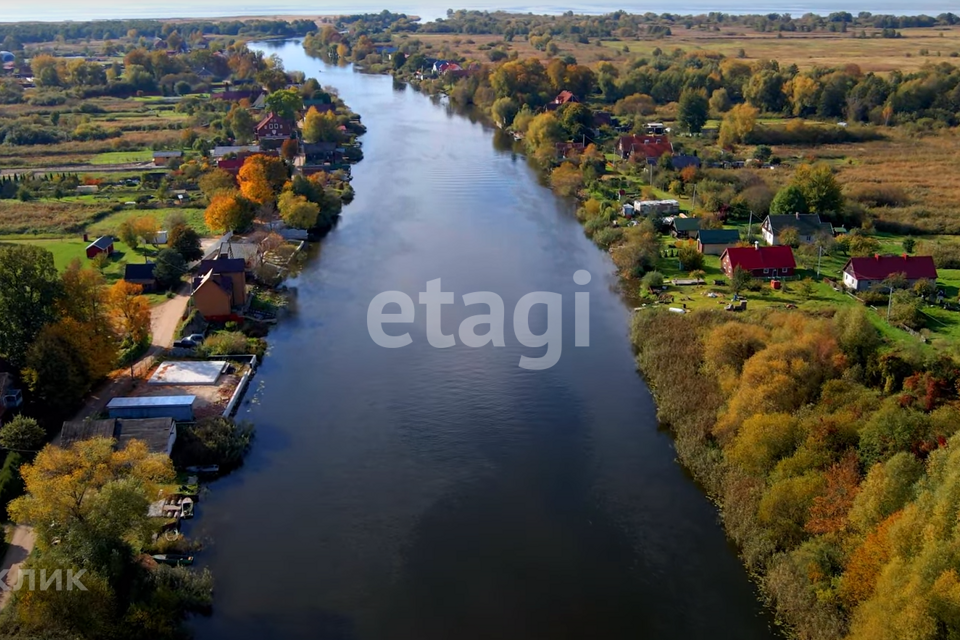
{"x": 170, "y": 268}
{"x": 241, "y": 124}
{"x": 720, "y": 101}
{"x": 789, "y": 236}
{"x": 217, "y": 440}
{"x": 694, "y": 110}
{"x": 185, "y": 241}
{"x": 908, "y": 244}
{"x": 504, "y": 111}
{"x": 297, "y": 211}
{"x": 788, "y": 201}
{"x": 285, "y": 103}
{"x": 214, "y": 181}
{"x": 127, "y": 232}
{"x": 22, "y": 434}
{"x": 820, "y": 188}
{"x": 29, "y": 290}
{"x": 741, "y": 278}
{"x": 321, "y": 127}
{"x": 888, "y": 487}
{"x": 651, "y": 280}
{"x": 576, "y": 118}
{"x": 690, "y": 257}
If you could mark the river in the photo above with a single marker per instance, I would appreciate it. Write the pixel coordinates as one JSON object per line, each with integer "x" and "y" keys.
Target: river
{"x": 422, "y": 493}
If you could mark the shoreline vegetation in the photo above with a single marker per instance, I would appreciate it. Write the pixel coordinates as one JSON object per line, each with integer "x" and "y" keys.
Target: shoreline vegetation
{"x": 180, "y": 139}
{"x": 823, "y": 427}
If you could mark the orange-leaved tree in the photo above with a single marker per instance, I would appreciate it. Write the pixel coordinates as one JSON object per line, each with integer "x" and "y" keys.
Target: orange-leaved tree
{"x": 130, "y": 311}
{"x": 261, "y": 178}
{"x": 228, "y": 212}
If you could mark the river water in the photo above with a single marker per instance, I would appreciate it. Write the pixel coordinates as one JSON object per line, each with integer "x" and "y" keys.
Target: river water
{"x": 422, "y": 493}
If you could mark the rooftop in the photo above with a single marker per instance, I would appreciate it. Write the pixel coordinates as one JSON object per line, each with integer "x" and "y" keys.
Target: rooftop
{"x": 79, "y": 430}
{"x": 154, "y": 432}
{"x": 103, "y": 242}
{"x": 882, "y": 267}
{"x": 152, "y": 401}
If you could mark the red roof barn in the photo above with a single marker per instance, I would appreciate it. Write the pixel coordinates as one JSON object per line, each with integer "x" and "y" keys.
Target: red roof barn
{"x": 649, "y": 147}
{"x": 860, "y": 274}
{"x": 761, "y": 262}
{"x": 103, "y": 244}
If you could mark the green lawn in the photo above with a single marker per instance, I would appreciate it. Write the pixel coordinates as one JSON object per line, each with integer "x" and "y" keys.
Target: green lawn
{"x": 122, "y": 157}
{"x": 194, "y": 217}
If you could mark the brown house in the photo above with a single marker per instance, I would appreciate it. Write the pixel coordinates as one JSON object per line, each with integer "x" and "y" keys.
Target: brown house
{"x": 273, "y": 130}
{"x": 232, "y": 270}
{"x": 213, "y": 296}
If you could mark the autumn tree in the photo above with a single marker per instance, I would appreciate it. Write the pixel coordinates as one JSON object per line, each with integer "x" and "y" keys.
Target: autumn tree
{"x": 127, "y": 232}
{"x": 828, "y": 513}
{"x": 762, "y": 441}
{"x": 297, "y": 211}
{"x": 321, "y": 127}
{"x": 90, "y": 490}
{"x": 130, "y": 311}
{"x": 289, "y": 149}
{"x": 147, "y": 228}
{"x": 29, "y": 290}
{"x": 22, "y": 434}
{"x": 216, "y": 181}
{"x": 566, "y": 179}
{"x": 228, "y": 212}
{"x": 720, "y": 101}
{"x": 261, "y": 178}
{"x": 737, "y": 125}
{"x": 888, "y": 487}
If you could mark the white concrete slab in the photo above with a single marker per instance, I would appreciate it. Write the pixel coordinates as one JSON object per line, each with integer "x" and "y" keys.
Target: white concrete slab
{"x": 187, "y": 373}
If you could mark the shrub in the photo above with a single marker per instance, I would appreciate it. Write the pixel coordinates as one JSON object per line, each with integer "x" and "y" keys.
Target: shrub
{"x": 216, "y": 440}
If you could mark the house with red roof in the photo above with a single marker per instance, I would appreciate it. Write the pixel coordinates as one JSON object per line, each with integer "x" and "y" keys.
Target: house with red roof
{"x": 761, "y": 262}
{"x": 564, "y": 97}
{"x": 861, "y": 274}
{"x": 646, "y": 146}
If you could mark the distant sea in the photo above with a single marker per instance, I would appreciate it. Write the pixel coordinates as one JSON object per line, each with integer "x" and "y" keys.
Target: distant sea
{"x": 59, "y": 10}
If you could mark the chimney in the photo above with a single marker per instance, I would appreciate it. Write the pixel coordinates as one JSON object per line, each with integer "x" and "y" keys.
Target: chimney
{"x": 876, "y": 256}
{"x": 797, "y": 214}
{"x": 756, "y": 245}
{"x": 904, "y": 256}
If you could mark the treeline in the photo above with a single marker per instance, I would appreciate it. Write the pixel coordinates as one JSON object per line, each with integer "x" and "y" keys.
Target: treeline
{"x": 15, "y": 34}
{"x": 834, "y": 459}
{"x": 623, "y": 25}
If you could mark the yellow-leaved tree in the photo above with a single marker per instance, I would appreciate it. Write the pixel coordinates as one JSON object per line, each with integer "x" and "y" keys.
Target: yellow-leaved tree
{"x": 130, "y": 311}
{"x": 228, "y": 212}
{"x": 297, "y": 211}
{"x": 90, "y": 492}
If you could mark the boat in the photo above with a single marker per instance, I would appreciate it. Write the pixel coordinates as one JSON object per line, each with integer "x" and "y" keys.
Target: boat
{"x": 188, "y": 490}
{"x": 173, "y": 559}
{"x": 186, "y": 508}
{"x": 210, "y": 468}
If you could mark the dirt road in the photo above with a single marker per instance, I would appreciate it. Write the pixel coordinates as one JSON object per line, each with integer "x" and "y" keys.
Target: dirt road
{"x": 20, "y": 547}
{"x": 80, "y": 168}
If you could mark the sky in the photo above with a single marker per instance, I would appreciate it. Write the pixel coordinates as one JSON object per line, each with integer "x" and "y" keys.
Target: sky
{"x": 59, "y": 10}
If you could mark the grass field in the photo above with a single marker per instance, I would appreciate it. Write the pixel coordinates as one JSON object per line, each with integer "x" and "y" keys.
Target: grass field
{"x": 122, "y": 157}
{"x": 111, "y": 223}
{"x": 66, "y": 250}
{"x": 808, "y": 50}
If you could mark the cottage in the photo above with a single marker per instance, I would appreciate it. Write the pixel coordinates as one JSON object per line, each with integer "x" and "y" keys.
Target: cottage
{"x": 103, "y": 244}
{"x": 88, "y": 189}
{"x": 760, "y": 262}
{"x": 220, "y": 152}
{"x": 141, "y": 274}
{"x": 176, "y": 407}
{"x": 159, "y": 434}
{"x": 228, "y": 269}
{"x": 654, "y": 129}
{"x": 273, "y": 130}
{"x": 860, "y": 274}
{"x": 163, "y": 158}
{"x": 564, "y": 97}
{"x": 808, "y": 227}
{"x": 713, "y": 242}
{"x": 682, "y": 228}
{"x": 656, "y": 207}
{"x": 320, "y": 152}
{"x": 648, "y": 147}
{"x": 213, "y": 296}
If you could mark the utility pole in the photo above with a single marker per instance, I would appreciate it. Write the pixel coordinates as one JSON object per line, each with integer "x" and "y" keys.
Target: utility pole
{"x": 819, "y": 256}
{"x": 889, "y": 303}
{"x": 749, "y": 225}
